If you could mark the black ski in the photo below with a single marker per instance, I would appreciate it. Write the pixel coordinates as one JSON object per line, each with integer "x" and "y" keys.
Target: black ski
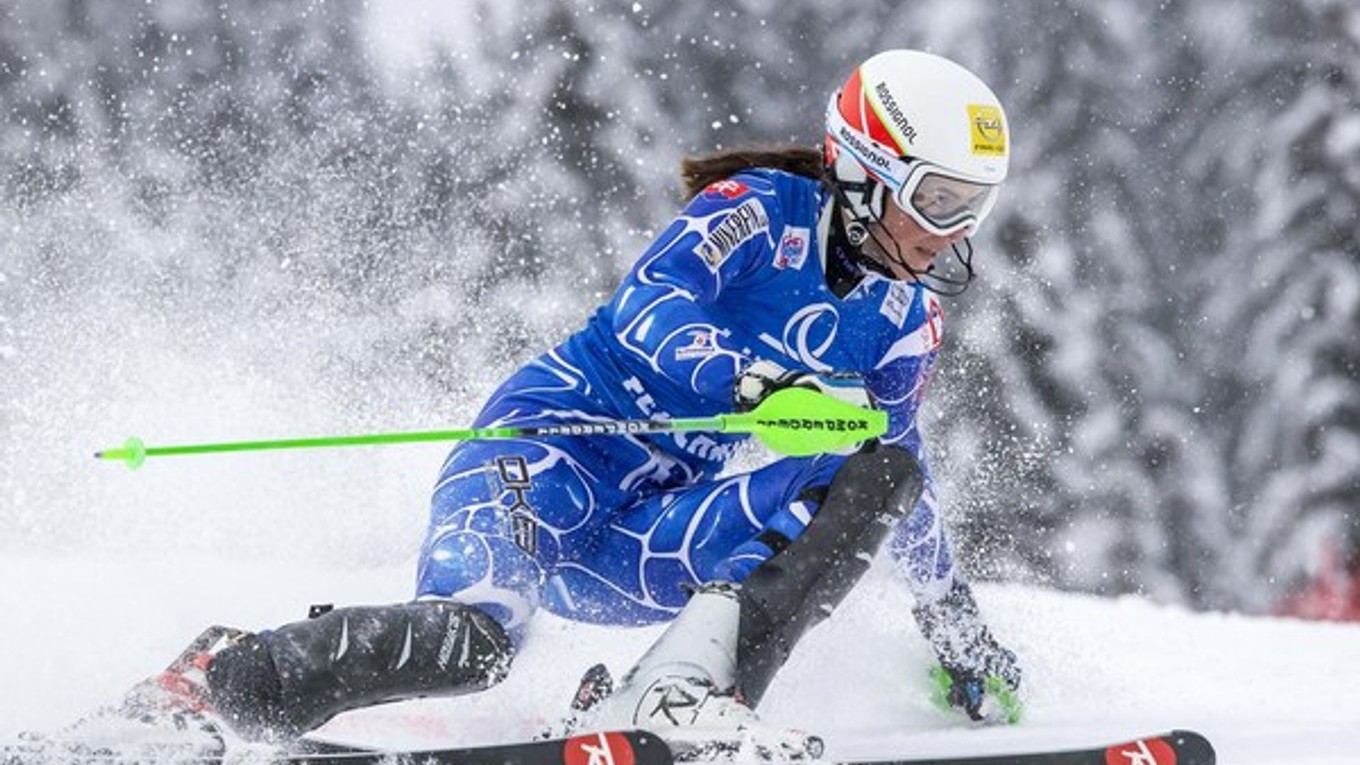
{"x": 612, "y": 748}
{"x": 1179, "y": 747}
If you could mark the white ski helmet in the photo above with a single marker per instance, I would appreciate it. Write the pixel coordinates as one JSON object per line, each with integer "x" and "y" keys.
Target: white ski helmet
{"x": 923, "y": 131}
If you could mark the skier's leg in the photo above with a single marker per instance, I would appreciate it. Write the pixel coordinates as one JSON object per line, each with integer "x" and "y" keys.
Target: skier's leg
{"x": 657, "y": 549}
{"x": 498, "y": 517}
{"x": 501, "y": 513}
{"x": 791, "y": 592}
{"x": 283, "y": 682}
{"x": 279, "y": 683}
{"x": 729, "y": 641}
{"x": 504, "y": 511}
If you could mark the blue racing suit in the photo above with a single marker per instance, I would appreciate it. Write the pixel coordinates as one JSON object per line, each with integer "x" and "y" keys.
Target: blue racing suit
{"x": 611, "y": 529}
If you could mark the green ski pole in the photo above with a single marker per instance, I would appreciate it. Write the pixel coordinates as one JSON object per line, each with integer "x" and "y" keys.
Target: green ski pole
{"x": 792, "y": 421}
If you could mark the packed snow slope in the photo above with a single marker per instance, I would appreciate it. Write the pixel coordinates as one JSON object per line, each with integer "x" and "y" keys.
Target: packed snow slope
{"x": 80, "y": 629}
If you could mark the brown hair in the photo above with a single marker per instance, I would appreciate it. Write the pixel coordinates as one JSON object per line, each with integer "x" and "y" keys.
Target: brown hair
{"x": 697, "y": 172}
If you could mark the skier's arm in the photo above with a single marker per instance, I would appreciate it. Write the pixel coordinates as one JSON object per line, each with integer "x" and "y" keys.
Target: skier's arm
{"x": 920, "y": 544}
{"x": 661, "y": 314}
{"x": 945, "y": 610}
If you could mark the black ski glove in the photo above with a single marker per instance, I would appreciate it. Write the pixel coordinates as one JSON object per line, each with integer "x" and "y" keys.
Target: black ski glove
{"x": 973, "y": 665}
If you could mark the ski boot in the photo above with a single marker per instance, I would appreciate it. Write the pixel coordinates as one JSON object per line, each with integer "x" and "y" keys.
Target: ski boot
{"x": 165, "y": 718}
{"x": 683, "y": 690}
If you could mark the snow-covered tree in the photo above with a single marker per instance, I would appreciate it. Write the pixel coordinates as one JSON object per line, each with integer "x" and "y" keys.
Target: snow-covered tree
{"x": 1152, "y": 388}
{"x": 1283, "y": 297}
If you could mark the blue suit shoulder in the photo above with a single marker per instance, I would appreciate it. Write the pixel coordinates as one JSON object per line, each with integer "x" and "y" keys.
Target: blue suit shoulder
{"x": 776, "y": 189}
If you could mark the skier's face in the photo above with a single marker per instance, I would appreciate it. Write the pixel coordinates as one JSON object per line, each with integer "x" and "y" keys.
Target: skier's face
{"x": 905, "y": 240}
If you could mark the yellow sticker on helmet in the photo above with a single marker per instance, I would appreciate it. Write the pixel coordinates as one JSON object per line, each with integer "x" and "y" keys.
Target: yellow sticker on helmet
{"x": 988, "y": 130}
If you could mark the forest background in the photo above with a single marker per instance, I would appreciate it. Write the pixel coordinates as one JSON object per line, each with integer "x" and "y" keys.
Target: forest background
{"x": 253, "y": 218}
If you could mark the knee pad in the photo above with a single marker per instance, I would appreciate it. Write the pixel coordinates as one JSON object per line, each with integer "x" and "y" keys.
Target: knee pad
{"x": 489, "y": 572}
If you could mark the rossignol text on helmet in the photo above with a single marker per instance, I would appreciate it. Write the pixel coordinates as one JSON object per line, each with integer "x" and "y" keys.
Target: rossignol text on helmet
{"x": 920, "y": 130}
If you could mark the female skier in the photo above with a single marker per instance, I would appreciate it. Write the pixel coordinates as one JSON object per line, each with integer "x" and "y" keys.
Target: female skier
{"x": 788, "y": 267}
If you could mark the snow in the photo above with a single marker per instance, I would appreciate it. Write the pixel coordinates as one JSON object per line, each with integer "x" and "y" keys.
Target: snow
{"x": 193, "y": 314}
{"x": 79, "y": 629}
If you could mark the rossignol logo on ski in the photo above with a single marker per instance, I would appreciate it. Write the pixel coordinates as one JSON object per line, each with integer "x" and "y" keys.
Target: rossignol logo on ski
{"x": 826, "y": 424}
{"x": 598, "y": 749}
{"x": 1150, "y": 751}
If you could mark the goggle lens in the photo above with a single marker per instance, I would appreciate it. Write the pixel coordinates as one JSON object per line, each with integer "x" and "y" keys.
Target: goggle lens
{"x": 943, "y": 204}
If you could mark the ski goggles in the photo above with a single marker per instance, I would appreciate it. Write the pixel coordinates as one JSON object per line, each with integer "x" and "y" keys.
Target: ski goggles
{"x": 941, "y": 202}
{"x": 944, "y": 204}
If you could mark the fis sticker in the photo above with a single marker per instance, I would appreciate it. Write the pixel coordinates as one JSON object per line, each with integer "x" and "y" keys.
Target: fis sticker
{"x": 988, "y": 130}
{"x": 702, "y": 344}
{"x": 793, "y": 248}
{"x": 728, "y": 189}
{"x": 896, "y": 303}
{"x": 740, "y": 225}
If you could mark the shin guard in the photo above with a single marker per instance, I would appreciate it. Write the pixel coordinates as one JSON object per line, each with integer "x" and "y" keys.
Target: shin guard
{"x": 791, "y": 592}
{"x": 284, "y": 682}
